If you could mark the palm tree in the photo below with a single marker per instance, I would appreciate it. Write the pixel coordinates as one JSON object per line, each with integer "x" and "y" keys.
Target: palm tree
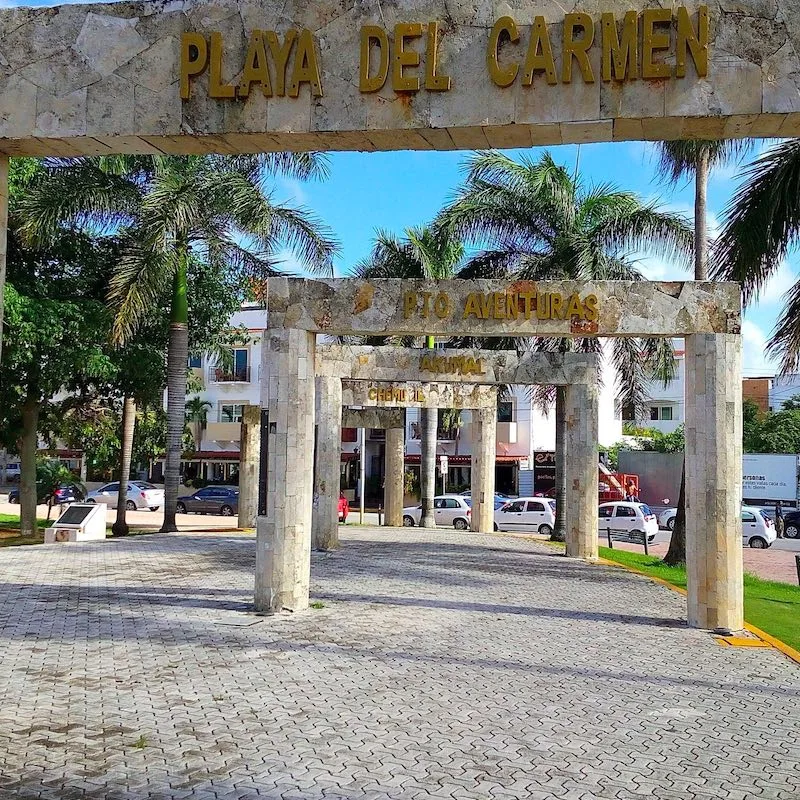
{"x": 685, "y": 159}
{"x": 120, "y": 526}
{"x": 197, "y": 416}
{"x": 761, "y": 224}
{"x": 423, "y": 253}
{"x": 537, "y": 221}
{"x": 172, "y": 212}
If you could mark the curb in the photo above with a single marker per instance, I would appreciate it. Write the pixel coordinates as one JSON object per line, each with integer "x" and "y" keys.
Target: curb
{"x": 777, "y": 644}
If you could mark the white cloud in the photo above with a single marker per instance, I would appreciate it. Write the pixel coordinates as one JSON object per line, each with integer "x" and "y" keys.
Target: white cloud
{"x": 754, "y": 345}
{"x": 783, "y": 280}
{"x": 291, "y": 191}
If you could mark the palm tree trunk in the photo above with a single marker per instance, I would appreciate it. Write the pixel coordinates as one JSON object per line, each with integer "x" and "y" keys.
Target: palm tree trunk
{"x": 120, "y": 526}
{"x": 677, "y": 543}
{"x": 560, "y": 527}
{"x": 700, "y": 214}
{"x": 177, "y": 359}
{"x": 27, "y": 457}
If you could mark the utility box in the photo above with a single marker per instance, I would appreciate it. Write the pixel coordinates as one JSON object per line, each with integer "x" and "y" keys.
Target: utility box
{"x": 81, "y": 522}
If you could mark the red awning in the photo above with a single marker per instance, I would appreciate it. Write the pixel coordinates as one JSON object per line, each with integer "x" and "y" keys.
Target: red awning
{"x": 455, "y": 461}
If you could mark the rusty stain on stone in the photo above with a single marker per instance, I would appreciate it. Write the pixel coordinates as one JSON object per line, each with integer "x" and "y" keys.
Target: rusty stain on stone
{"x": 363, "y": 298}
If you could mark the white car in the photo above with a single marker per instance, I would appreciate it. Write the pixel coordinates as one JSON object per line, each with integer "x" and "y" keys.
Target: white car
{"x": 666, "y": 519}
{"x": 449, "y": 510}
{"x": 758, "y": 530}
{"x": 140, "y": 495}
{"x": 527, "y": 514}
{"x": 628, "y": 519}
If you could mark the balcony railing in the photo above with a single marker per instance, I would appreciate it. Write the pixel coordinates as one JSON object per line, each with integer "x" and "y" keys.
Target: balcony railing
{"x": 235, "y": 375}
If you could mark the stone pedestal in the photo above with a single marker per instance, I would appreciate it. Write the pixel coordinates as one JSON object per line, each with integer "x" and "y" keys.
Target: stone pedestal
{"x": 325, "y": 526}
{"x": 714, "y": 481}
{"x": 283, "y": 545}
{"x": 393, "y": 481}
{"x": 249, "y": 462}
{"x": 581, "y": 471}
{"x": 484, "y": 447}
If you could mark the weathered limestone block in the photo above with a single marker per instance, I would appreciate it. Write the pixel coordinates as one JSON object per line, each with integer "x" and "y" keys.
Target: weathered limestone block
{"x": 581, "y": 471}
{"x": 249, "y": 466}
{"x": 416, "y": 394}
{"x": 479, "y": 307}
{"x": 714, "y": 481}
{"x": 753, "y": 60}
{"x": 394, "y": 364}
{"x": 283, "y": 535}
{"x": 484, "y": 450}
{"x": 394, "y": 471}
{"x": 325, "y": 520}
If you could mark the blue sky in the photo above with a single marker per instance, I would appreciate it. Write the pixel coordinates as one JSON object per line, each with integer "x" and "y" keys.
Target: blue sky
{"x": 393, "y": 191}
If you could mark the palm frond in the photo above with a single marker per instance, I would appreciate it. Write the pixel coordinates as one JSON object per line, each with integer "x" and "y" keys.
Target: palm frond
{"x": 762, "y": 221}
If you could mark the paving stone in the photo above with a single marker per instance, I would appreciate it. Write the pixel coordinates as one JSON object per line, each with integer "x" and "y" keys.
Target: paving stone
{"x": 444, "y": 665}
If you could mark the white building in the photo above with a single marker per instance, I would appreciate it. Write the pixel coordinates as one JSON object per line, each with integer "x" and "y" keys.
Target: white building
{"x": 523, "y": 431}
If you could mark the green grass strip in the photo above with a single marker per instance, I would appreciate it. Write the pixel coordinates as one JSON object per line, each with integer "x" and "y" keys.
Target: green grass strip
{"x": 772, "y": 606}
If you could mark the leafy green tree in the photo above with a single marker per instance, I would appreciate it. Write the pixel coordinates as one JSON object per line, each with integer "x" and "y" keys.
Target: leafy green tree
{"x": 170, "y": 212}
{"x": 659, "y": 442}
{"x": 792, "y": 404}
{"x": 696, "y": 159}
{"x": 537, "y": 221}
{"x": 54, "y": 343}
{"x": 50, "y": 475}
{"x": 752, "y": 423}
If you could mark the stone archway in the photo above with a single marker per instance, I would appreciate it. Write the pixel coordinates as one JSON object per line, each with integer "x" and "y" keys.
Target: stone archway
{"x": 706, "y": 314}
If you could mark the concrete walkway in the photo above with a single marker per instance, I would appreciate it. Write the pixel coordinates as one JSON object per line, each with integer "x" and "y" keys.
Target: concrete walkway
{"x": 442, "y": 665}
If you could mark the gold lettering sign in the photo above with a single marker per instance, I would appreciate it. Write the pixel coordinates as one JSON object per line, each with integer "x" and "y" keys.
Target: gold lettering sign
{"x": 509, "y": 305}
{"x": 656, "y": 43}
{"x": 451, "y": 365}
{"x": 397, "y": 395}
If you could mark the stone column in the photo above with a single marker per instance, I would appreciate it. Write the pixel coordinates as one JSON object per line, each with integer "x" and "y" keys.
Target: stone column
{"x": 325, "y": 521}
{"x": 249, "y": 463}
{"x": 714, "y": 481}
{"x": 393, "y": 482}
{"x": 580, "y": 511}
{"x": 484, "y": 450}
{"x": 283, "y": 543}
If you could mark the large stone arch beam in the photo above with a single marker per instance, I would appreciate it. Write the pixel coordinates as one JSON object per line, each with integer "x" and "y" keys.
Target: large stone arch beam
{"x": 93, "y": 79}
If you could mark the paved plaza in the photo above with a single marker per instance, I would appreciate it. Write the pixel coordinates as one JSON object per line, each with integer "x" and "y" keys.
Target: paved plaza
{"x": 442, "y": 665}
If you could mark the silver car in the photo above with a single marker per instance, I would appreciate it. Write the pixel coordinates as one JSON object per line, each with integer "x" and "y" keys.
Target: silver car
{"x": 140, "y": 495}
{"x": 449, "y": 510}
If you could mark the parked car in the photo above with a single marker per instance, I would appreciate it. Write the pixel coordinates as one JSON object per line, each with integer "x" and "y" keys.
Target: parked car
{"x": 63, "y": 495}
{"x": 628, "y": 520}
{"x": 791, "y": 525}
{"x": 526, "y": 514}
{"x": 758, "y": 530}
{"x": 222, "y": 500}
{"x": 448, "y": 510}
{"x": 141, "y": 494}
{"x": 344, "y": 508}
{"x": 13, "y": 472}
